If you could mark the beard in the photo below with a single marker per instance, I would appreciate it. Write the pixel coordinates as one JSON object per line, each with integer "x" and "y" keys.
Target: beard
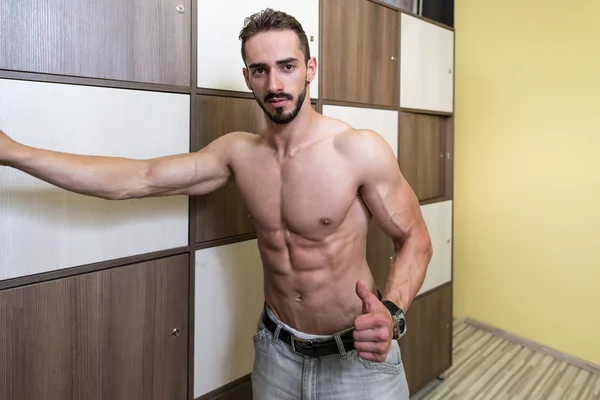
{"x": 279, "y": 116}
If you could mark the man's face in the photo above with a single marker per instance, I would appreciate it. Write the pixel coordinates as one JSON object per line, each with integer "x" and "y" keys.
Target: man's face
{"x": 277, "y": 74}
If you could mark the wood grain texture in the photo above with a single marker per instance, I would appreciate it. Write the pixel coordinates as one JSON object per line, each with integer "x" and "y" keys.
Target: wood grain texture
{"x": 359, "y": 40}
{"x": 449, "y": 158}
{"x": 222, "y": 213}
{"x": 103, "y": 335}
{"x": 489, "y": 366}
{"x": 137, "y": 40}
{"x": 379, "y": 250}
{"x": 68, "y": 229}
{"x": 426, "y": 347}
{"x": 423, "y": 153}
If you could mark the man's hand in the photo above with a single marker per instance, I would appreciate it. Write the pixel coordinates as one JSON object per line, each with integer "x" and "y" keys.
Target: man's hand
{"x": 372, "y": 329}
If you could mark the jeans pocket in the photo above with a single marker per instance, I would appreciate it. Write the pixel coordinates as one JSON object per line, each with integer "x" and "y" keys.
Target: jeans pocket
{"x": 261, "y": 331}
{"x": 392, "y": 363}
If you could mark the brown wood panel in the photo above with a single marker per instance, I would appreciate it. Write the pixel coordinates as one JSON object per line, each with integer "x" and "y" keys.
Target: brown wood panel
{"x": 136, "y": 40}
{"x": 83, "y": 269}
{"x": 422, "y": 155}
{"x": 222, "y": 213}
{"x": 379, "y": 250}
{"x": 360, "y": 61}
{"x": 449, "y": 159}
{"x": 102, "y": 335}
{"x": 427, "y": 346}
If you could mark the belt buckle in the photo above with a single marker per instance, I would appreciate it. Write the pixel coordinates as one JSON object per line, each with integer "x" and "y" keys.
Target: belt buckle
{"x": 293, "y": 340}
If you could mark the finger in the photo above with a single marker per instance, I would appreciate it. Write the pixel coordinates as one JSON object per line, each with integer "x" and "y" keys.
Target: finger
{"x": 372, "y": 347}
{"x": 364, "y": 322}
{"x": 369, "y": 299}
{"x": 370, "y": 321}
{"x": 372, "y": 335}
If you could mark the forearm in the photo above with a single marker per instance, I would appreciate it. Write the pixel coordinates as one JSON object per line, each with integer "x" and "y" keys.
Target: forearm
{"x": 407, "y": 269}
{"x": 104, "y": 177}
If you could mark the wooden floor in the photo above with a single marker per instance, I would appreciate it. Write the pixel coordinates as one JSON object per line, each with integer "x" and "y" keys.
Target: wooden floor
{"x": 486, "y": 366}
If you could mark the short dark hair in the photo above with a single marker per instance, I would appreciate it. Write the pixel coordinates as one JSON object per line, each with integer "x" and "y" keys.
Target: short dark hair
{"x": 269, "y": 20}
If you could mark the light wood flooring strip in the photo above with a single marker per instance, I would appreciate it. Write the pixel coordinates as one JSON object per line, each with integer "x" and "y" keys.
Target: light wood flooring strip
{"x": 487, "y": 366}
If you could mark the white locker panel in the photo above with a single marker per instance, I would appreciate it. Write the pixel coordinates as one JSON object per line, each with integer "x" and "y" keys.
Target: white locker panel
{"x": 438, "y": 217}
{"x": 65, "y": 229}
{"x": 384, "y": 122}
{"x": 219, "y": 49}
{"x": 228, "y": 301}
{"x": 426, "y": 65}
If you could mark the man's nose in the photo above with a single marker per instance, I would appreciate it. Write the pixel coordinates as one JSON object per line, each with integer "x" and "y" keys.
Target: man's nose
{"x": 275, "y": 84}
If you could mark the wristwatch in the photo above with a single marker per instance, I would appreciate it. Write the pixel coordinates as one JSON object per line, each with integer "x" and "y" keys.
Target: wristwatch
{"x": 399, "y": 328}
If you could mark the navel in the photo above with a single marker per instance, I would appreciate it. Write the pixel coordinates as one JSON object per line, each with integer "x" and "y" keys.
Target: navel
{"x": 298, "y": 297}
{"x": 326, "y": 221}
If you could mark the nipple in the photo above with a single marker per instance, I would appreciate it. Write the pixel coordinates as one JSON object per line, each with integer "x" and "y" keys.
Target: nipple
{"x": 298, "y": 298}
{"x": 325, "y": 221}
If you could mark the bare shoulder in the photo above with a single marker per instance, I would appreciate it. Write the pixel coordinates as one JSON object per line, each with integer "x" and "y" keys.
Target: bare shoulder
{"x": 230, "y": 144}
{"x": 365, "y": 147}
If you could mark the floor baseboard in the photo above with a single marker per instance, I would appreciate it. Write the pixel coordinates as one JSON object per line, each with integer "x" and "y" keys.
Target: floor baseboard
{"x": 578, "y": 362}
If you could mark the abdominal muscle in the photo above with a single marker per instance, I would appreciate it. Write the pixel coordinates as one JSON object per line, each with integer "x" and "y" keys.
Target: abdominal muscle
{"x": 311, "y": 285}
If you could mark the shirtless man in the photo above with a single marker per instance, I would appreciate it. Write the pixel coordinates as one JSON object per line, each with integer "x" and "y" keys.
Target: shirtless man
{"x": 312, "y": 185}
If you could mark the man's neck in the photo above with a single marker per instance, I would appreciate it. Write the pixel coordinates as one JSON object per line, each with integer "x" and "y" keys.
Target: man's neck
{"x": 286, "y": 139}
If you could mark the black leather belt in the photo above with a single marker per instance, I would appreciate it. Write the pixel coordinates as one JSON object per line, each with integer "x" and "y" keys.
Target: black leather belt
{"x": 312, "y": 347}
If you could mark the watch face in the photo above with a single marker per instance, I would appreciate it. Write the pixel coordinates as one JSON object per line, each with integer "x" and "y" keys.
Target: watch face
{"x": 401, "y": 325}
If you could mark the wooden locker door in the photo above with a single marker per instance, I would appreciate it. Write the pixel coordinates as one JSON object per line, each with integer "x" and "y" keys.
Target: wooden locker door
{"x": 360, "y": 63}
{"x": 220, "y": 61}
{"x": 438, "y": 218}
{"x": 427, "y": 346}
{"x": 69, "y": 229}
{"x": 120, "y": 333}
{"x": 222, "y": 213}
{"x": 426, "y": 65}
{"x": 379, "y": 250}
{"x": 136, "y": 40}
{"x": 422, "y": 147}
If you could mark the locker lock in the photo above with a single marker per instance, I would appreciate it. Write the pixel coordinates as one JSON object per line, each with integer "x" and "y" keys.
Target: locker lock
{"x": 180, "y": 9}
{"x": 176, "y": 332}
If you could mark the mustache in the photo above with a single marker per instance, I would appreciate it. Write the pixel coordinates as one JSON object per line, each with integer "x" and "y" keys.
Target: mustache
{"x": 278, "y": 96}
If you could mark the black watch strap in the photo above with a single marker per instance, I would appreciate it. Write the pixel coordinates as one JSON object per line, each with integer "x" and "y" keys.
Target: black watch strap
{"x": 393, "y": 308}
{"x": 398, "y": 315}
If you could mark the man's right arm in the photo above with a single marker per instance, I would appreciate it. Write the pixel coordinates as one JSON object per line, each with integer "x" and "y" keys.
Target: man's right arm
{"x": 117, "y": 178}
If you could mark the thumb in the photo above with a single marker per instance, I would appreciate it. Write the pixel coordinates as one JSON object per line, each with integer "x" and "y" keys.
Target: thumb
{"x": 367, "y": 297}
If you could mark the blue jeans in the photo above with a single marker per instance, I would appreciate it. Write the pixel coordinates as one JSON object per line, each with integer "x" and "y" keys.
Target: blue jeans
{"x": 281, "y": 374}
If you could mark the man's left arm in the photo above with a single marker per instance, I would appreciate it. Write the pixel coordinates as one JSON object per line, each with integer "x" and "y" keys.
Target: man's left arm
{"x": 397, "y": 211}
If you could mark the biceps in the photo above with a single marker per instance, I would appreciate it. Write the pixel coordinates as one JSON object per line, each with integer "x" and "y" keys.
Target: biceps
{"x": 194, "y": 173}
{"x": 394, "y": 206}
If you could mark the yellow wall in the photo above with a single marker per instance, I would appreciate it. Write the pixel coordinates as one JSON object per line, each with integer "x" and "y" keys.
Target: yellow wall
{"x": 527, "y": 165}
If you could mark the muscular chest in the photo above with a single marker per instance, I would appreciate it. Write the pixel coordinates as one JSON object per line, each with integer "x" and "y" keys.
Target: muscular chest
{"x": 309, "y": 195}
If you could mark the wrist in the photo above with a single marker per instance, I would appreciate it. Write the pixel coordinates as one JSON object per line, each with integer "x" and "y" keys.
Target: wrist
{"x": 397, "y": 317}
{"x": 17, "y": 155}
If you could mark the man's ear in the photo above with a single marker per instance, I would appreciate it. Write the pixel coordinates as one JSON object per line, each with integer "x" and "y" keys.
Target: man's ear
{"x": 311, "y": 69}
{"x": 247, "y": 78}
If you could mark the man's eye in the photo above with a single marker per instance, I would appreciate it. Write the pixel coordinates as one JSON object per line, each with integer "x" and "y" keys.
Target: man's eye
{"x": 259, "y": 70}
{"x": 289, "y": 66}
